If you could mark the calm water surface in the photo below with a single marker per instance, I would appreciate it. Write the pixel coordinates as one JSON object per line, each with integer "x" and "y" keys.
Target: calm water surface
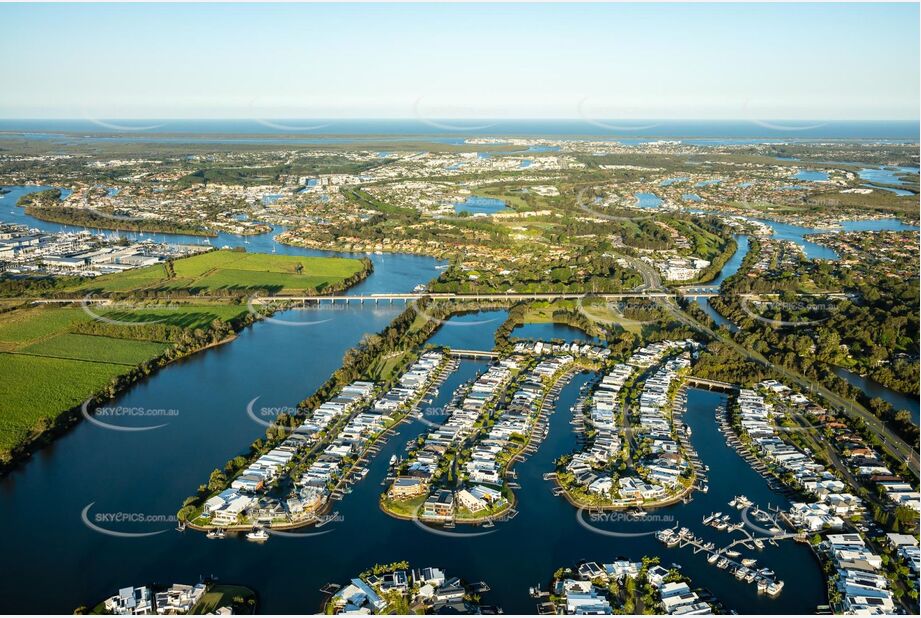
{"x": 480, "y": 205}
{"x": 899, "y": 401}
{"x": 647, "y": 200}
{"x": 151, "y": 472}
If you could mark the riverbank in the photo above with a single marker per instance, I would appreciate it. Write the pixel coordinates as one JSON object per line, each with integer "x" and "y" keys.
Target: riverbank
{"x": 98, "y": 351}
{"x": 80, "y": 217}
{"x": 48, "y": 430}
{"x": 370, "y": 448}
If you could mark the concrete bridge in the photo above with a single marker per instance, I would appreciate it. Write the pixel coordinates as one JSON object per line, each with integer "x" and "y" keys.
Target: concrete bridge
{"x": 390, "y": 298}
{"x": 408, "y": 297}
{"x": 474, "y": 354}
{"x": 712, "y": 385}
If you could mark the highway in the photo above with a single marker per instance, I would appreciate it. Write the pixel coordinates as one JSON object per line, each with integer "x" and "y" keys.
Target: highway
{"x": 894, "y": 445}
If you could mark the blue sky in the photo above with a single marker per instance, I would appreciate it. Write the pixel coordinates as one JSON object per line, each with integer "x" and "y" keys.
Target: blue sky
{"x": 706, "y": 61}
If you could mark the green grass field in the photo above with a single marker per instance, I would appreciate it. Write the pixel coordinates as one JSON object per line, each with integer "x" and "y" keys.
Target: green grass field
{"x": 51, "y": 361}
{"x": 232, "y": 271}
{"x": 44, "y": 387}
{"x": 25, "y": 326}
{"x": 224, "y": 595}
{"x": 97, "y": 349}
{"x": 48, "y": 369}
{"x": 184, "y": 316}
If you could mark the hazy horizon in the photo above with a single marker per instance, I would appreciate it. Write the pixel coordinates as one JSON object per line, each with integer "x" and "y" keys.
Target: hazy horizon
{"x": 452, "y": 61}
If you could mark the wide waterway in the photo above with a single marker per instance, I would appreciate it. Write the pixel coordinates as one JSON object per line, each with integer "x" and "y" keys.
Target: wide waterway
{"x": 151, "y": 472}
{"x": 147, "y": 474}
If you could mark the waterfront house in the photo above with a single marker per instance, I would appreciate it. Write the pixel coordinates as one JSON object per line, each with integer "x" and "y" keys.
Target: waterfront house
{"x": 404, "y": 487}
{"x": 130, "y": 601}
{"x": 471, "y": 502}
{"x": 357, "y": 595}
{"x": 179, "y": 598}
{"x": 439, "y": 507}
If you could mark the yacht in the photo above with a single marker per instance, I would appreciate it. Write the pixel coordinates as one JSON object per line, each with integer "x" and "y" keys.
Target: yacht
{"x": 774, "y": 588}
{"x": 758, "y": 543}
{"x": 257, "y": 534}
{"x": 712, "y": 558}
{"x": 215, "y": 534}
{"x": 749, "y": 562}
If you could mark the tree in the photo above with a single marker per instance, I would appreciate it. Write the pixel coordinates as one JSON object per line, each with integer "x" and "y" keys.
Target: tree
{"x": 217, "y": 480}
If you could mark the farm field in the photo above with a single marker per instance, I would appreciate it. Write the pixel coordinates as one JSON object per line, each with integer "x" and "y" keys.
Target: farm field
{"x": 97, "y": 349}
{"x": 44, "y": 388}
{"x": 51, "y": 367}
{"x": 231, "y": 271}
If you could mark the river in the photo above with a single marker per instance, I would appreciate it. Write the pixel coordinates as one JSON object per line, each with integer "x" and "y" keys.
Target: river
{"x": 872, "y": 388}
{"x": 147, "y": 474}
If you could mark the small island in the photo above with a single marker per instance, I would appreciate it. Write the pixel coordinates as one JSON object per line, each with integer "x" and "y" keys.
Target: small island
{"x": 398, "y": 589}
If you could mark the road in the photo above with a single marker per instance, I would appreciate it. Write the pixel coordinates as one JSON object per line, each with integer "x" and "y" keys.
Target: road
{"x": 894, "y": 445}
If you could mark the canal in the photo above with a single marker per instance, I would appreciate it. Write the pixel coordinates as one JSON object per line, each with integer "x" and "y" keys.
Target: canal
{"x": 141, "y": 478}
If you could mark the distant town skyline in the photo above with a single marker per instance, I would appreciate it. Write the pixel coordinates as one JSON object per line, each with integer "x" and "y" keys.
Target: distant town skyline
{"x": 543, "y": 61}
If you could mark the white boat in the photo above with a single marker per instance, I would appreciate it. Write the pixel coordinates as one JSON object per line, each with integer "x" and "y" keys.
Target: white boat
{"x": 749, "y": 562}
{"x": 215, "y": 534}
{"x": 257, "y": 534}
{"x": 762, "y": 585}
{"x": 774, "y": 588}
{"x": 758, "y": 543}
{"x": 732, "y": 553}
{"x": 712, "y": 558}
{"x": 393, "y": 459}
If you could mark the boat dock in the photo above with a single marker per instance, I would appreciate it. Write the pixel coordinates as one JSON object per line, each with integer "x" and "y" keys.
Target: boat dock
{"x": 732, "y": 440}
{"x": 763, "y": 578}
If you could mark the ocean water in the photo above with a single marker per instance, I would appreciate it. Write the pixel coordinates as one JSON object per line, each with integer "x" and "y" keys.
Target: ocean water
{"x": 696, "y": 132}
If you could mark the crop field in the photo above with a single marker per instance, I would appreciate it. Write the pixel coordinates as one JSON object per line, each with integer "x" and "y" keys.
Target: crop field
{"x": 97, "y": 349}
{"x": 184, "y": 316}
{"x": 129, "y": 280}
{"x": 25, "y": 326}
{"x": 232, "y": 271}
{"x": 44, "y": 387}
{"x": 47, "y": 368}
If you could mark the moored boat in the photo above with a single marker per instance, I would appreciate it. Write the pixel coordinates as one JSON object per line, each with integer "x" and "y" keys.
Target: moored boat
{"x": 257, "y": 534}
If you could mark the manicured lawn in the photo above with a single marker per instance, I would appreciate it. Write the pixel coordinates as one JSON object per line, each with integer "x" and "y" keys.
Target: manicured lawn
{"x": 222, "y": 595}
{"x": 44, "y": 387}
{"x": 406, "y": 508}
{"x": 99, "y": 349}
